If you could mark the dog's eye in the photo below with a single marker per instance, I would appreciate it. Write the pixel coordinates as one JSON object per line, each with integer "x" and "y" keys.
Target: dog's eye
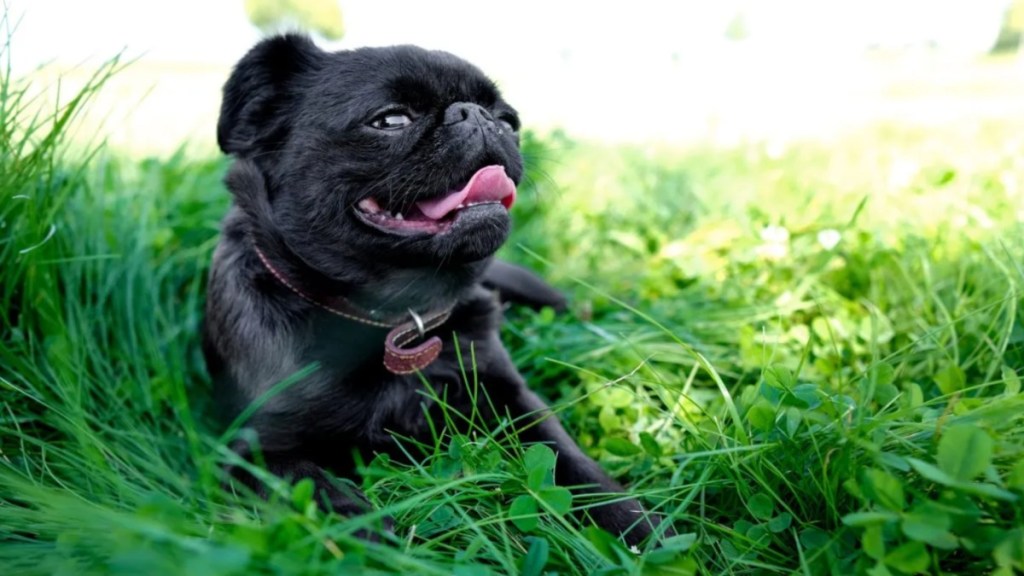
{"x": 509, "y": 122}
{"x": 391, "y": 121}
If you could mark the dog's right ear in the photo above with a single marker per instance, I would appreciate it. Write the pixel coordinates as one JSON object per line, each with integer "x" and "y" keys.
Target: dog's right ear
{"x": 257, "y": 107}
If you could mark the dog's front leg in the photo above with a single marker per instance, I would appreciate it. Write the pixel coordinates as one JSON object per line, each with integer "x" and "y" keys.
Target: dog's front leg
{"x": 329, "y": 493}
{"x": 519, "y": 285}
{"x": 535, "y": 423}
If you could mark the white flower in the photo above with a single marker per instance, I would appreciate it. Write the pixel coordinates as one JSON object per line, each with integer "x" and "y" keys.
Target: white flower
{"x": 829, "y": 238}
{"x": 776, "y": 243}
{"x": 774, "y": 235}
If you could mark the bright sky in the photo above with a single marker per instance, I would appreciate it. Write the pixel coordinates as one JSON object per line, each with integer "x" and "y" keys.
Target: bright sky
{"x": 637, "y": 69}
{"x": 216, "y": 30}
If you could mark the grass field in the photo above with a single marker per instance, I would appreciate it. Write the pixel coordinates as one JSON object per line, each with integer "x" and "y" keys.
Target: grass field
{"x": 808, "y": 357}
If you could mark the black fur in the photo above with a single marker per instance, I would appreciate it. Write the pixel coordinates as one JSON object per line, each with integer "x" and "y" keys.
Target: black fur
{"x": 298, "y": 122}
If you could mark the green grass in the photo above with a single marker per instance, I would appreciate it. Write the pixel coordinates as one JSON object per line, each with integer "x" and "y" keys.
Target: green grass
{"x": 809, "y": 359}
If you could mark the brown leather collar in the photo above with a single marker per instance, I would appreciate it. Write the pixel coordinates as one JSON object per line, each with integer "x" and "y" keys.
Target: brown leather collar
{"x": 404, "y": 328}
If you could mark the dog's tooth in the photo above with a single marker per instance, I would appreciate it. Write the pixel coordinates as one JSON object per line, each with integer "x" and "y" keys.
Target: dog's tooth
{"x": 369, "y": 205}
{"x": 398, "y": 216}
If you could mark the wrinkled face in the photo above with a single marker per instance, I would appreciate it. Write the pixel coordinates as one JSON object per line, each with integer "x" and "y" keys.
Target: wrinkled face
{"x": 378, "y": 157}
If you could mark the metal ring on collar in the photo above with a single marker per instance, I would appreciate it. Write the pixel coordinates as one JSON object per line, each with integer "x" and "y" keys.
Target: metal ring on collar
{"x": 419, "y": 322}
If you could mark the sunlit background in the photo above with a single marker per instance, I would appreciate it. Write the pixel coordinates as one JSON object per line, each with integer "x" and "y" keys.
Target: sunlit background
{"x": 676, "y": 72}
{"x": 791, "y": 233}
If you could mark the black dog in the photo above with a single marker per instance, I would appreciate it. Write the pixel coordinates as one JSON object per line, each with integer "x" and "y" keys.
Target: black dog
{"x": 371, "y": 190}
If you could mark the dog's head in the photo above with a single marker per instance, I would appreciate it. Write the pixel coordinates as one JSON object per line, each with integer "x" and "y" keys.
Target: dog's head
{"x": 376, "y": 159}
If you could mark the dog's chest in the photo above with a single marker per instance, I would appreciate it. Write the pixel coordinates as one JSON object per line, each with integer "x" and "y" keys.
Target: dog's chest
{"x": 375, "y": 405}
{"x": 359, "y": 398}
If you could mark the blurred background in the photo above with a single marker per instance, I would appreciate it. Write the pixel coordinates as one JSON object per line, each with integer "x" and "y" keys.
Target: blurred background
{"x": 720, "y": 73}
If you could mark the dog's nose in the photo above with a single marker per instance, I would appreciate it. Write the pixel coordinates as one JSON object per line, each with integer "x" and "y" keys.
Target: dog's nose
{"x": 463, "y": 111}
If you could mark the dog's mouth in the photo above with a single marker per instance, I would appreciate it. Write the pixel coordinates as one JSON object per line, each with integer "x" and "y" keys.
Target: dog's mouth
{"x": 489, "y": 188}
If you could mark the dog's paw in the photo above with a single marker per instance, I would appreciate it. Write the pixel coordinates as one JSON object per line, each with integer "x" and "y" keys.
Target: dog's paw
{"x": 630, "y": 521}
{"x": 381, "y": 529}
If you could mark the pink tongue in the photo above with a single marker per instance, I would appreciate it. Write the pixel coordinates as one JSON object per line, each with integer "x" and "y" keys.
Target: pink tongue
{"x": 489, "y": 184}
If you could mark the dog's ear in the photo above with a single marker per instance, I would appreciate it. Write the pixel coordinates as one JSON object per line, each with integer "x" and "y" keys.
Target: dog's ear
{"x": 258, "y": 97}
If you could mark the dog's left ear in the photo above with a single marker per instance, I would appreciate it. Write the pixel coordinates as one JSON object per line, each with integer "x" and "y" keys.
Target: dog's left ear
{"x": 256, "y": 111}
